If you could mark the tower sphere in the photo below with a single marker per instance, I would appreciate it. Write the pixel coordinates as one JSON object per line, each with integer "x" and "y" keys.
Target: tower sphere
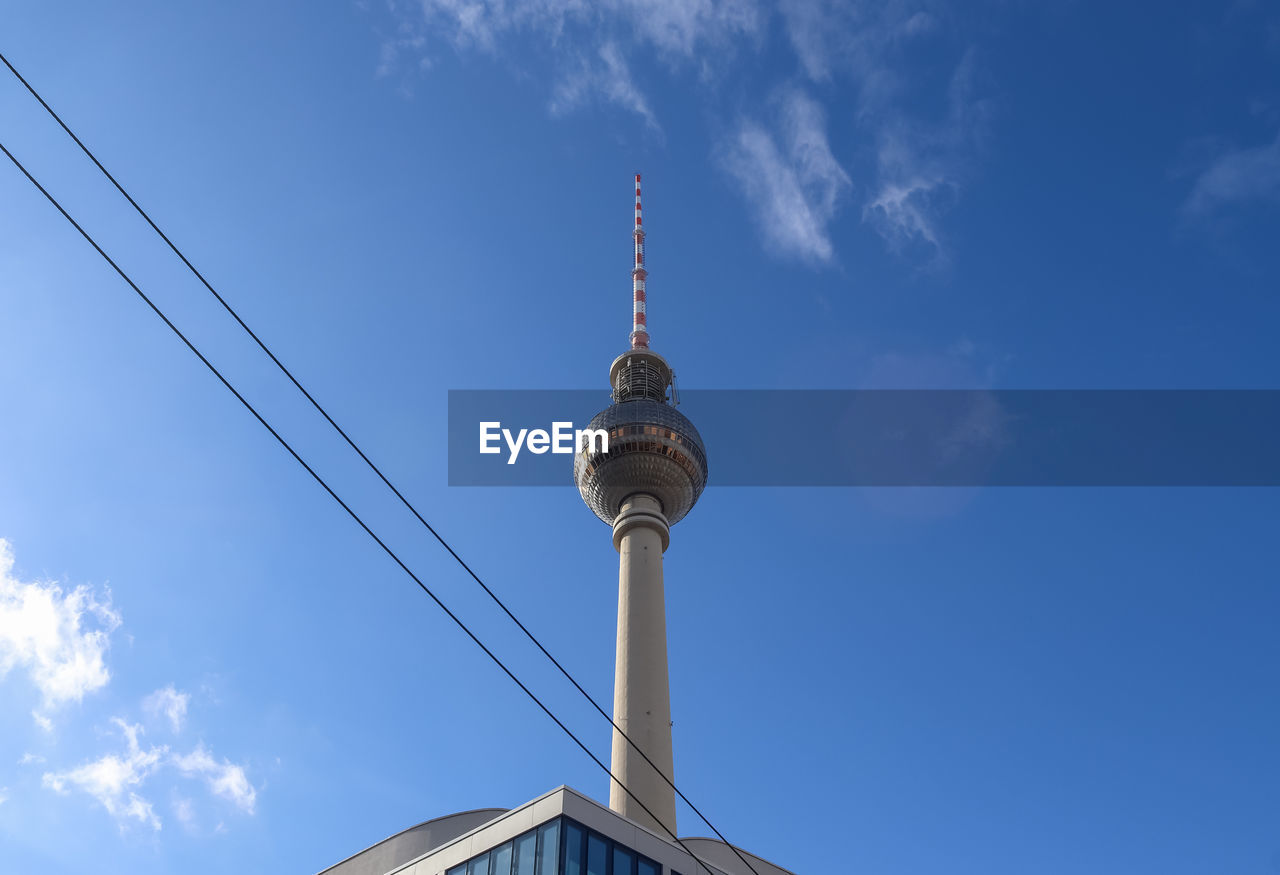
{"x": 653, "y": 449}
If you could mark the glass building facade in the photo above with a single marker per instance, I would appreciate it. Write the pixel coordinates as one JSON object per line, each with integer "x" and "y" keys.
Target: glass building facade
{"x": 559, "y": 847}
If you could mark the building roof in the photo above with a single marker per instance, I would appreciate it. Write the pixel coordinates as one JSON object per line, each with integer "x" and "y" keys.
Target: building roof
{"x": 414, "y": 842}
{"x": 434, "y": 846}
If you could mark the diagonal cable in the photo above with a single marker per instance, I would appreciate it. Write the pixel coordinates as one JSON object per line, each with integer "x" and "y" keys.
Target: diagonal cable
{"x": 351, "y": 513}
{"x": 376, "y": 470}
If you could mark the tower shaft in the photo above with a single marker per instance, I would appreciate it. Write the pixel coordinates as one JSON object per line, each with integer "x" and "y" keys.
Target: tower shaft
{"x": 641, "y": 692}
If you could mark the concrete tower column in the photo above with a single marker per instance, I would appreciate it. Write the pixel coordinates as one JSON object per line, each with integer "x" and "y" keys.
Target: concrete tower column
{"x": 641, "y": 693}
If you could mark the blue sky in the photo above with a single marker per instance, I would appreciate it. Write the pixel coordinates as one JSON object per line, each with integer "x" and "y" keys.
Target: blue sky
{"x": 205, "y": 665}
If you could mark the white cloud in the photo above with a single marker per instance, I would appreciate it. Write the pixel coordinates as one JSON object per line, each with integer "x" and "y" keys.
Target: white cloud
{"x": 4, "y": 795}
{"x": 60, "y": 638}
{"x": 479, "y": 24}
{"x": 116, "y": 780}
{"x": 791, "y": 178}
{"x": 919, "y": 165}
{"x": 919, "y": 161}
{"x": 592, "y": 42}
{"x": 170, "y": 703}
{"x": 1237, "y": 176}
{"x": 184, "y": 810}
{"x": 224, "y": 778}
{"x": 113, "y": 780}
{"x": 140, "y": 810}
{"x": 595, "y": 54}
{"x": 902, "y": 211}
{"x": 680, "y": 27}
{"x": 675, "y": 28}
{"x": 609, "y": 79}
{"x": 856, "y": 37}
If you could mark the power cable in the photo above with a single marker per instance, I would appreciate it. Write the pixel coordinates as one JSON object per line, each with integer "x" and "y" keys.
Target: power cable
{"x": 258, "y": 416}
{"x": 376, "y": 470}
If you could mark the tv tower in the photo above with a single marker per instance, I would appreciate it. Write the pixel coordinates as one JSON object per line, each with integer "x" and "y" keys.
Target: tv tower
{"x": 648, "y": 475}
{"x": 652, "y": 475}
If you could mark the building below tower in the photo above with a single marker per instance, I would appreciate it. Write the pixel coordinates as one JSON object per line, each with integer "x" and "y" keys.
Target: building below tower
{"x": 559, "y": 833}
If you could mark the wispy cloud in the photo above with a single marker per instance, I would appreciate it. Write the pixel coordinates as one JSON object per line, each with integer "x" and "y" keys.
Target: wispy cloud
{"x": 920, "y": 160}
{"x": 911, "y": 188}
{"x": 60, "y": 638}
{"x": 683, "y": 28}
{"x": 791, "y": 178}
{"x": 608, "y": 77}
{"x": 604, "y": 53}
{"x": 593, "y": 43}
{"x": 676, "y": 29}
{"x": 856, "y": 37}
{"x": 114, "y": 779}
{"x": 169, "y": 703}
{"x": 920, "y": 165}
{"x": 480, "y": 24}
{"x": 184, "y": 810}
{"x": 224, "y": 778}
{"x": 1237, "y": 176}
{"x": 902, "y": 212}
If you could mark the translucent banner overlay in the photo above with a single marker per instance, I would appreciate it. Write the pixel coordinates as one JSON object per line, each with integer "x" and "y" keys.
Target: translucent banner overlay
{"x": 906, "y": 437}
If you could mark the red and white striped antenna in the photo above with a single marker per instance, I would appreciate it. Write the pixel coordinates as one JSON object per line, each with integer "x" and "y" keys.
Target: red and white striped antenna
{"x": 639, "y": 330}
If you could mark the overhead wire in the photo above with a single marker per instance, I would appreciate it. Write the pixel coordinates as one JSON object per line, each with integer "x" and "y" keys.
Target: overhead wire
{"x": 369, "y": 462}
{"x": 334, "y": 495}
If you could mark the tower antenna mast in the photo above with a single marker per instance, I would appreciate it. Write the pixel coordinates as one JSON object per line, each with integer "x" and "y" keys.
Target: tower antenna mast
{"x": 639, "y": 328}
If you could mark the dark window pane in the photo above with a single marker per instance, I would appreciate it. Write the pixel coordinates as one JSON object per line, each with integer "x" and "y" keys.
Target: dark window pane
{"x": 460, "y": 869}
{"x": 479, "y": 865}
{"x": 597, "y": 854}
{"x": 501, "y": 860}
{"x": 648, "y": 868}
{"x": 526, "y": 853}
{"x": 622, "y": 860}
{"x": 549, "y": 848}
{"x": 572, "y": 849}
